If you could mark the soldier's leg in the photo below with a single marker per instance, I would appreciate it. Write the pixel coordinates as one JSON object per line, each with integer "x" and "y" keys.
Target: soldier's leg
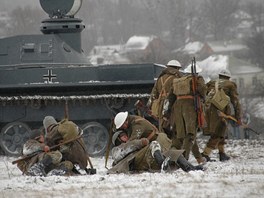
{"x": 222, "y": 154}
{"x": 211, "y": 145}
{"x": 63, "y": 168}
{"x": 177, "y": 143}
{"x": 188, "y": 144}
{"x": 196, "y": 153}
{"x": 47, "y": 161}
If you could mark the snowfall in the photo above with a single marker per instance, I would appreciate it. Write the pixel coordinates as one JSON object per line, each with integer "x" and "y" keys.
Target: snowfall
{"x": 242, "y": 176}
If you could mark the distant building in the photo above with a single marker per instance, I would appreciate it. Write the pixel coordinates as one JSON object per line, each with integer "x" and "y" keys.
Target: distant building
{"x": 248, "y": 77}
{"x": 138, "y": 49}
{"x": 108, "y": 54}
{"x": 234, "y": 48}
{"x": 146, "y": 49}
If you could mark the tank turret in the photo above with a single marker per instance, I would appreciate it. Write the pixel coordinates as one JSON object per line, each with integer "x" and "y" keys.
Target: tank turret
{"x": 40, "y": 73}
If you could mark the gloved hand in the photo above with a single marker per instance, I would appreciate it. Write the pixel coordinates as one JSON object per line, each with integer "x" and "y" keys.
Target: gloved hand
{"x": 144, "y": 141}
{"x": 46, "y": 148}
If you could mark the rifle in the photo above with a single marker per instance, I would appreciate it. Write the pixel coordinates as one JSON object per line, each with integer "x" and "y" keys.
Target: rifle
{"x": 225, "y": 116}
{"x": 197, "y": 99}
{"x": 66, "y": 110}
{"x": 109, "y": 142}
{"x": 41, "y": 151}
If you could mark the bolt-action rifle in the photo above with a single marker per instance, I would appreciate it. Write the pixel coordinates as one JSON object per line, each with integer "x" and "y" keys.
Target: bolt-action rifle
{"x": 229, "y": 117}
{"x": 197, "y": 99}
{"x": 41, "y": 151}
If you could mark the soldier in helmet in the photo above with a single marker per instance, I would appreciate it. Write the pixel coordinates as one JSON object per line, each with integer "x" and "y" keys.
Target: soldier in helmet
{"x": 45, "y": 162}
{"x": 217, "y": 126}
{"x": 186, "y": 117}
{"x": 141, "y": 147}
{"x": 160, "y": 92}
{"x": 65, "y": 130}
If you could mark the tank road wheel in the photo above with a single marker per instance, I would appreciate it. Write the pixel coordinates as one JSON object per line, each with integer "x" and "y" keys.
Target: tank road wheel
{"x": 12, "y": 137}
{"x": 95, "y": 136}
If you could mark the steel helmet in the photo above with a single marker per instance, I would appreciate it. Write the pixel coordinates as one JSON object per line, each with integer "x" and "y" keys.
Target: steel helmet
{"x": 225, "y": 72}
{"x": 48, "y": 121}
{"x": 174, "y": 63}
{"x": 115, "y": 136}
{"x": 120, "y": 119}
{"x": 189, "y": 69}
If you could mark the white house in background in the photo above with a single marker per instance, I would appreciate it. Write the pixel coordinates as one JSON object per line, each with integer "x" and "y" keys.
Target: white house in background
{"x": 232, "y": 47}
{"x": 137, "y": 49}
{"x": 145, "y": 49}
{"x": 107, "y": 54}
{"x": 246, "y": 75}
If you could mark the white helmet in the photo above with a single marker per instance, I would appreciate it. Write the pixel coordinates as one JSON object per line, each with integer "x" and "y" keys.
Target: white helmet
{"x": 120, "y": 119}
{"x": 189, "y": 69}
{"x": 225, "y": 72}
{"x": 174, "y": 63}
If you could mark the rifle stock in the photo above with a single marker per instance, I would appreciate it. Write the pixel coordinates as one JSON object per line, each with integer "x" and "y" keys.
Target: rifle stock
{"x": 225, "y": 116}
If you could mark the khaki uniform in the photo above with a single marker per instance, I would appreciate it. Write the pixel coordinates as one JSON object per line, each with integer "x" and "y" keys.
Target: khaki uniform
{"x": 164, "y": 82}
{"x": 133, "y": 156}
{"x": 74, "y": 151}
{"x": 186, "y": 117}
{"x": 32, "y": 146}
{"x": 216, "y": 127}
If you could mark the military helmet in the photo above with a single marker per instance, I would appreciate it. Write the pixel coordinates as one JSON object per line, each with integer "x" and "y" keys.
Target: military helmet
{"x": 120, "y": 119}
{"x": 225, "y": 72}
{"x": 115, "y": 136}
{"x": 189, "y": 69}
{"x": 174, "y": 63}
{"x": 48, "y": 121}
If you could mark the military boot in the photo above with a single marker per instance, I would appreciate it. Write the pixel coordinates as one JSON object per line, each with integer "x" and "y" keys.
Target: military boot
{"x": 208, "y": 159}
{"x": 156, "y": 152}
{"x": 37, "y": 169}
{"x": 187, "y": 166}
{"x": 223, "y": 157}
{"x": 158, "y": 157}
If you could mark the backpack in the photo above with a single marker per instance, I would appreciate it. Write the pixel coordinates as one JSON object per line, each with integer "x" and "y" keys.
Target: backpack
{"x": 182, "y": 86}
{"x": 68, "y": 130}
{"x": 220, "y": 100}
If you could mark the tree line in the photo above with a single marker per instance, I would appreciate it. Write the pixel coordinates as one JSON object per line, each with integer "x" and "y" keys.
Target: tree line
{"x": 174, "y": 21}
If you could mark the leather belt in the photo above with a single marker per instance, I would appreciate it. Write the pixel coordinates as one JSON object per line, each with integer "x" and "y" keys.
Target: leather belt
{"x": 185, "y": 97}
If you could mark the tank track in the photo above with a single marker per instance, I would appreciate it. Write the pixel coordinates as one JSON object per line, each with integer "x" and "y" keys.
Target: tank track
{"x": 29, "y": 100}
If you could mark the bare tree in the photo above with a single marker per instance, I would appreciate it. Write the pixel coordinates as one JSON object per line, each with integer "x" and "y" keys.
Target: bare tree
{"x": 219, "y": 16}
{"x": 256, "y": 46}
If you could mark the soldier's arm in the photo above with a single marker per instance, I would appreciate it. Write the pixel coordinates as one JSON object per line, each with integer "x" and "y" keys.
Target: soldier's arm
{"x": 235, "y": 100}
{"x": 124, "y": 149}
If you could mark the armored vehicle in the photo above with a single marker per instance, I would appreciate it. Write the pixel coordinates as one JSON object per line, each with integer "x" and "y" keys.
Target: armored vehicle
{"x": 39, "y": 73}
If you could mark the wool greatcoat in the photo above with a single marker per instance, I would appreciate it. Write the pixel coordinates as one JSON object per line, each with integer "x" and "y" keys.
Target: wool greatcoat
{"x": 215, "y": 125}
{"x": 185, "y": 115}
{"x": 161, "y": 89}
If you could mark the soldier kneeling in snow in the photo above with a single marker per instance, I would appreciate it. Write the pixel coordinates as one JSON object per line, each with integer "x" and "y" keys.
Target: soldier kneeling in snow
{"x": 69, "y": 156}
{"x": 149, "y": 151}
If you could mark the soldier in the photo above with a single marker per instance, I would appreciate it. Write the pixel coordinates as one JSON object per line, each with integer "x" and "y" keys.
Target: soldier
{"x": 45, "y": 162}
{"x": 186, "y": 116}
{"x": 160, "y": 92}
{"x": 65, "y": 130}
{"x": 138, "y": 155}
{"x": 215, "y": 125}
{"x": 146, "y": 147}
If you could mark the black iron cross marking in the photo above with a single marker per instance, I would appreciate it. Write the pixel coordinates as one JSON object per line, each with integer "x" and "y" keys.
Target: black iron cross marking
{"x": 49, "y": 76}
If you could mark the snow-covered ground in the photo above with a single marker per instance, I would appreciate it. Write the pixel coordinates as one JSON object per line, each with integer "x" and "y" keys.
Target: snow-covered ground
{"x": 242, "y": 176}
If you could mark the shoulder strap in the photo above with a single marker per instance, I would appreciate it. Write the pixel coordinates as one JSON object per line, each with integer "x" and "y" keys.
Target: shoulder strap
{"x": 216, "y": 86}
